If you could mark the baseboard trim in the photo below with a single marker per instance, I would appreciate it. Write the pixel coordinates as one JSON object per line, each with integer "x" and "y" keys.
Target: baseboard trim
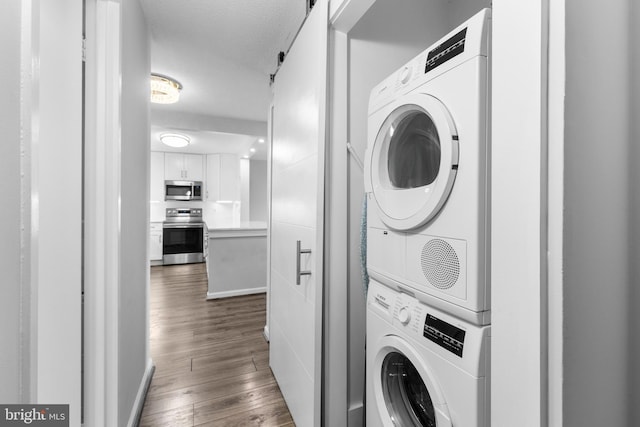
{"x": 265, "y": 332}
{"x": 227, "y": 294}
{"x": 136, "y": 412}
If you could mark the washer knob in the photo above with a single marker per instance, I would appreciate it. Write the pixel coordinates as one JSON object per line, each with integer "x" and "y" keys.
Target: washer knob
{"x": 405, "y": 75}
{"x": 404, "y": 315}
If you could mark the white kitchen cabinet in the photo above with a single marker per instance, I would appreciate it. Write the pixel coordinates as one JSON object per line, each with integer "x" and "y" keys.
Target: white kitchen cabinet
{"x": 223, "y": 177}
{"x": 180, "y": 166}
{"x": 156, "y": 182}
{"x": 193, "y": 164}
{"x": 213, "y": 177}
{"x": 155, "y": 242}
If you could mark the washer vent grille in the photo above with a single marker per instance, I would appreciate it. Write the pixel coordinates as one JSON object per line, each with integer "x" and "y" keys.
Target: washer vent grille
{"x": 440, "y": 264}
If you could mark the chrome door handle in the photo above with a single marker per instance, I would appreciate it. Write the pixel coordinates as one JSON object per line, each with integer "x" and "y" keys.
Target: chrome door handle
{"x": 299, "y": 252}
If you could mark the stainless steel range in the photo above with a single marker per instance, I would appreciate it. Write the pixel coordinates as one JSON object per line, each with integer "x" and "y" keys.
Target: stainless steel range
{"x": 184, "y": 236}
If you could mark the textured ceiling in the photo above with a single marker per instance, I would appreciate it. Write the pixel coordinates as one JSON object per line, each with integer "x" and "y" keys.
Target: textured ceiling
{"x": 222, "y": 51}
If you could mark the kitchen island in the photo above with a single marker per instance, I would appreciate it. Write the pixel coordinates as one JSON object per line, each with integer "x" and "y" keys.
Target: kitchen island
{"x": 237, "y": 260}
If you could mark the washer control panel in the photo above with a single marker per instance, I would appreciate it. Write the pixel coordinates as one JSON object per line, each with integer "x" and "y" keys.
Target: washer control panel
{"x": 410, "y": 314}
{"x": 444, "y": 334}
{"x": 418, "y": 320}
{"x": 446, "y": 50}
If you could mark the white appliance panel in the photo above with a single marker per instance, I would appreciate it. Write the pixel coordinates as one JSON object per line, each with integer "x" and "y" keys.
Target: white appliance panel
{"x": 449, "y": 355}
{"x": 453, "y": 209}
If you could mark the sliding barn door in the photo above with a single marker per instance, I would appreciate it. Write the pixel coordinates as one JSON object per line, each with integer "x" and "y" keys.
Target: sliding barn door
{"x": 298, "y": 144}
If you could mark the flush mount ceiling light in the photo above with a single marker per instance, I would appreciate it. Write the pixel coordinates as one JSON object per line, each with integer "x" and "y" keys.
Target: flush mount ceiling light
{"x": 174, "y": 140}
{"x": 261, "y": 140}
{"x": 164, "y": 90}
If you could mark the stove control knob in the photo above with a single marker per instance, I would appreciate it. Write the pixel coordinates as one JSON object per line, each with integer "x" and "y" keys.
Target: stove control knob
{"x": 404, "y": 315}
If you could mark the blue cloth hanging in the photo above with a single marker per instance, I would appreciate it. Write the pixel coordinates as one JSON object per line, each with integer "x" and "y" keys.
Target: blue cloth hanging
{"x": 363, "y": 246}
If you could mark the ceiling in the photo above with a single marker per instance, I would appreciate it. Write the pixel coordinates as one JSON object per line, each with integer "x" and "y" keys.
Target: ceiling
{"x": 222, "y": 52}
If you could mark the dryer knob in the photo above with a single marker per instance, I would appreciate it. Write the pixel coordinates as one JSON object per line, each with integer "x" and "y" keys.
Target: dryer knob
{"x": 404, "y": 315}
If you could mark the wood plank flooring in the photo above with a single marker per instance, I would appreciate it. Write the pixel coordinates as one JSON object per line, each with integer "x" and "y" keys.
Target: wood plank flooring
{"x": 212, "y": 361}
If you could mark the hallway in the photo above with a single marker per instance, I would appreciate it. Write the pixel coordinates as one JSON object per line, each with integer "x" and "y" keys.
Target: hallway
{"x": 211, "y": 358}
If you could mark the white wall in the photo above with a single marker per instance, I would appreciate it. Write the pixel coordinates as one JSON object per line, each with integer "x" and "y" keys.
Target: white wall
{"x": 258, "y": 191}
{"x": 135, "y": 160}
{"x": 634, "y": 219}
{"x": 171, "y": 119}
{"x": 49, "y": 140}
{"x": 10, "y": 298}
{"x": 387, "y": 36}
{"x": 57, "y": 159}
{"x": 597, "y": 284}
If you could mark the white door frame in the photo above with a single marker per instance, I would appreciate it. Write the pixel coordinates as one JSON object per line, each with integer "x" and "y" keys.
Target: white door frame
{"x": 102, "y": 211}
{"x": 269, "y": 160}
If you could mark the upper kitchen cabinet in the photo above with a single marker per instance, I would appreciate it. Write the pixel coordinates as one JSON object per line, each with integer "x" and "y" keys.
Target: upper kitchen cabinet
{"x": 179, "y": 166}
{"x": 223, "y": 177}
{"x": 156, "y": 190}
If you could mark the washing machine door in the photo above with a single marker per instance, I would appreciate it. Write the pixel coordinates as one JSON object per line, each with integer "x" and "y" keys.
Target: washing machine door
{"x": 413, "y": 161}
{"x": 406, "y": 392}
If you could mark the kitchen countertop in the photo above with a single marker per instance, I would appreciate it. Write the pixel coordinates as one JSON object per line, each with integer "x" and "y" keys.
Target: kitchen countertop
{"x": 253, "y": 225}
{"x": 247, "y": 229}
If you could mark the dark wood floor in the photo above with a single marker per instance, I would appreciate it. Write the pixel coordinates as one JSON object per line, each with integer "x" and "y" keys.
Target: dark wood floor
{"x": 212, "y": 366}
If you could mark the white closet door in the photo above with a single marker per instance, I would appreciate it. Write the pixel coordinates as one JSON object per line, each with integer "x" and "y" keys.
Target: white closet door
{"x": 297, "y": 191}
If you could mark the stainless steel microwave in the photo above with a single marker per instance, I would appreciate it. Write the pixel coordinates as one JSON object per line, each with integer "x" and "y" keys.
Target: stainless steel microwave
{"x": 183, "y": 190}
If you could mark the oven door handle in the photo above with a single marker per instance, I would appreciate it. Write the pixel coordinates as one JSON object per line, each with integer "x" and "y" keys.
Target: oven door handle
{"x": 182, "y": 226}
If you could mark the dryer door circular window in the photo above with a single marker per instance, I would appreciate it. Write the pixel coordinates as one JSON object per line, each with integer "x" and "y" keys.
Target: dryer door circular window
{"x": 405, "y": 389}
{"x": 414, "y": 161}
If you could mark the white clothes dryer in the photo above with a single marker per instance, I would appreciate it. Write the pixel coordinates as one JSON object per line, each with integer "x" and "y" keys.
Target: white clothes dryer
{"x": 427, "y": 173}
{"x": 425, "y": 368}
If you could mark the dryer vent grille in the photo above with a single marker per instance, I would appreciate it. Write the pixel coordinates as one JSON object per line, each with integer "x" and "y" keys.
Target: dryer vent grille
{"x": 440, "y": 264}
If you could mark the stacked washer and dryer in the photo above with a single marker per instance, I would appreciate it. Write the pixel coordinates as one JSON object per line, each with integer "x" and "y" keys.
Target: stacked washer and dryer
{"x": 427, "y": 177}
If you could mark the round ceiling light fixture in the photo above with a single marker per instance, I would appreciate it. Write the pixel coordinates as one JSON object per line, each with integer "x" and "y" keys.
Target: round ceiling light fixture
{"x": 174, "y": 140}
{"x": 164, "y": 90}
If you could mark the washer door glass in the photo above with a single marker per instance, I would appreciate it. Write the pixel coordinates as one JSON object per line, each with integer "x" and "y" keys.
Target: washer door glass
{"x": 406, "y": 396}
{"x": 414, "y": 151}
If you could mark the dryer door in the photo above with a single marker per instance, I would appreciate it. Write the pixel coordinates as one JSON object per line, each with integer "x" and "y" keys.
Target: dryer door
{"x": 414, "y": 160}
{"x": 406, "y": 392}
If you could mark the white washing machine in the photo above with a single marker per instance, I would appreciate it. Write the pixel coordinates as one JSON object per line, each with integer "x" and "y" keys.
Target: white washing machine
{"x": 425, "y": 368}
{"x": 427, "y": 174}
